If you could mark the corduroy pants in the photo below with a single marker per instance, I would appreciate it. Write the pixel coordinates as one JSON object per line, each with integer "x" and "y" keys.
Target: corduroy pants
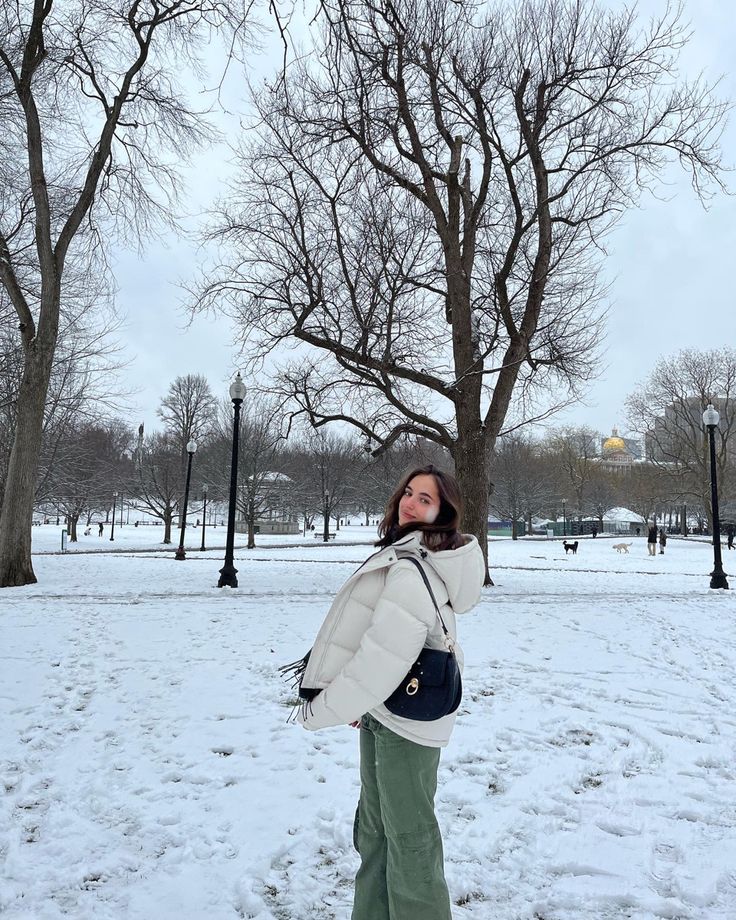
{"x": 401, "y": 875}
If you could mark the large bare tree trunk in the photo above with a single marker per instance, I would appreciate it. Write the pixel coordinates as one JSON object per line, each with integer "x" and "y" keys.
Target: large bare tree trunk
{"x": 471, "y": 471}
{"x": 16, "y": 566}
{"x": 251, "y": 525}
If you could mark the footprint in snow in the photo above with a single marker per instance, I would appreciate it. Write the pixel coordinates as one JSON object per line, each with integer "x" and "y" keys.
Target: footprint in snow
{"x": 223, "y": 750}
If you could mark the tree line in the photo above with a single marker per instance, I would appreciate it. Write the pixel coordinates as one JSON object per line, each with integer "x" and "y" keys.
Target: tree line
{"x": 302, "y": 474}
{"x": 291, "y": 474}
{"x": 533, "y": 475}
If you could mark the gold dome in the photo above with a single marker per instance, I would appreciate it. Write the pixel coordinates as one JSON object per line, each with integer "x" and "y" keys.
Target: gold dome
{"x": 615, "y": 443}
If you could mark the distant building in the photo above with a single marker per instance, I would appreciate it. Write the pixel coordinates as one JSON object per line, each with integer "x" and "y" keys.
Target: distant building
{"x": 681, "y": 427}
{"x": 274, "y": 499}
{"x": 619, "y": 453}
{"x": 615, "y": 521}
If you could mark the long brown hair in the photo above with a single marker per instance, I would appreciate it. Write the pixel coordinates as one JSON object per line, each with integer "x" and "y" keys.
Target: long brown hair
{"x": 444, "y": 531}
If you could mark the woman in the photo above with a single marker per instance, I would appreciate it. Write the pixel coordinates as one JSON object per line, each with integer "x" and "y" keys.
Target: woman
{"x": 662, "y": 541}
{"x": 380, "y": 620}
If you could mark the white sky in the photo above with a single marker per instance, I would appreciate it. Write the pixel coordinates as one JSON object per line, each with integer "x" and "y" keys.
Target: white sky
{"x": 669, "y": 266}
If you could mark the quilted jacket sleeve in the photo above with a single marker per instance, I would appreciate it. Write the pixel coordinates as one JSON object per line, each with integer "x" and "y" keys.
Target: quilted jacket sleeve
{"x": 391, "y": 644}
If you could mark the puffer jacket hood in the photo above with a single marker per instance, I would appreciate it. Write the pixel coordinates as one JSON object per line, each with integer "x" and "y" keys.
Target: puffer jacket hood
{"x": 463, "y": 571}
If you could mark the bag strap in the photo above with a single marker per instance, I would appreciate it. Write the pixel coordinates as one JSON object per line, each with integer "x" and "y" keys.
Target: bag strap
{"x": 419, "y": 566}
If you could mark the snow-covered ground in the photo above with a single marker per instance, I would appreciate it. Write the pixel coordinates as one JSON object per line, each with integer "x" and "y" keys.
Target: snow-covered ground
{"x": 147, "y": 770}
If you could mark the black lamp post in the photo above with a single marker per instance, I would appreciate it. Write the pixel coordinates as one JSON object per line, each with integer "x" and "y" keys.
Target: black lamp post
{"x": 191, "y": 450}
{"x": 717, "y": 576}
{"x": 228, "y": 573}
{"x": 564, "y": 518}
{"x": 326, "y": 529}
{"x": 114, "y": 502}
{"x": 204, "y": 514}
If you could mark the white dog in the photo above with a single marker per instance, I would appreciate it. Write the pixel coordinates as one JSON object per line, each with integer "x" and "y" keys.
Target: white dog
{"x": 621, "y": 547}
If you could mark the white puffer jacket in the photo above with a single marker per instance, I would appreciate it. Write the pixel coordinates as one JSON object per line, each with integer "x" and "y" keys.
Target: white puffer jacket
{"x": 378, "y": 623}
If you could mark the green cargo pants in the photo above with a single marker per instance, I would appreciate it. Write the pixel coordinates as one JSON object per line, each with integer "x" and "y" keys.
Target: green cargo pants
{"x": 401, "y": 875}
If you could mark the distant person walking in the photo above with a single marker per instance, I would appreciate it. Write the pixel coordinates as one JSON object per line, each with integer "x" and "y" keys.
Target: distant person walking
{"x": 662, "y": 541}
{"x": 731, "y": 532}
{"x": 100, "y": 527}
{"x": 652, "y": 540}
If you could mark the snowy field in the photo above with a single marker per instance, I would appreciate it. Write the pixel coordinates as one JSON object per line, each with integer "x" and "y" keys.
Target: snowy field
{"x": 147, "y": 770}
{"x": 148, "y": 538}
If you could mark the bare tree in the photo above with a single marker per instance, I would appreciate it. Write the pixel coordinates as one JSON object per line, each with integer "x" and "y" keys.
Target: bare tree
{"x": 523, "y": 484}
{"x": 295, "y": 463}
{"x": 325, "y": 475}
{"x": 605, "y": 491}
{"x": 91, "y": 462}
{"x": 645, "y": 490}
{"x": 189, "y": 409}
{"x": 157, "y": 481}
{"x": 91, "y": 125}
{"x": 426, "y": 203}
{"x": 376, "y": 477}
{"x": 573, "y": 452}
{"x": 668, "y": 410}
{"x": 189, "y": 412}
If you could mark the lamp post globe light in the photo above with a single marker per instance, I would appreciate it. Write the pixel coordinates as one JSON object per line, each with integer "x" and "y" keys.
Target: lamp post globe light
{"x": 204, "y": 514}
{"x": 717, "y": 576}
{"x": 228, "y": 573}
{"x": 191, "y": 451}
{"x": 114, "y": 502}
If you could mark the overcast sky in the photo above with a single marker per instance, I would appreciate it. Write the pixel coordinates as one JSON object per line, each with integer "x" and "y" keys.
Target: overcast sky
{"x": 670, "y": 267}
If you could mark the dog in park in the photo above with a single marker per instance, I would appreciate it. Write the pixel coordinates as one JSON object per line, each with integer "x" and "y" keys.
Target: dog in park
{"x": 621, "y": 547}
{"x": 570, "y": 546}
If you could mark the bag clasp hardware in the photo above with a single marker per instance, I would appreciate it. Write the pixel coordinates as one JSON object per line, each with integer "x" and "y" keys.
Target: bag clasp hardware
{"x": 412, "y": 686}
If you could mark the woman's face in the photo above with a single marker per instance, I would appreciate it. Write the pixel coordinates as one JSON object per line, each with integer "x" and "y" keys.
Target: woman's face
{"x": 420, "y": 501}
